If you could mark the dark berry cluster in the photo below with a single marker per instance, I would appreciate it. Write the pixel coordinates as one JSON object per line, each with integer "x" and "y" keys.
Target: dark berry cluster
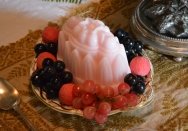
{"x": 52, "y": 75}
{"x": 137, "y": 83}
{"x": 132, "y": 48}
{"x": 48, "y": 47}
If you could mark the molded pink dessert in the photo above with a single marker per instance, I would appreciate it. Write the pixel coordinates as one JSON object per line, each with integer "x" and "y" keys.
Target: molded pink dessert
{"x": 91, "y": 52}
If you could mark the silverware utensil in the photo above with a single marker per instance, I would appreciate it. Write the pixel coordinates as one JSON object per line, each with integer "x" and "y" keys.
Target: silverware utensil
{"x": 10, "y": 99}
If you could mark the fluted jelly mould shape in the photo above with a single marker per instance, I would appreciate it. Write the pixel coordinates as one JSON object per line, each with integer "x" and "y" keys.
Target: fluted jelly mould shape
{"x": 91, "y": 51}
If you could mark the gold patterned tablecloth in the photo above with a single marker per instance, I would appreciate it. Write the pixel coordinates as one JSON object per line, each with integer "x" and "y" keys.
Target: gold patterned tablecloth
{"x": 170, "y": 105}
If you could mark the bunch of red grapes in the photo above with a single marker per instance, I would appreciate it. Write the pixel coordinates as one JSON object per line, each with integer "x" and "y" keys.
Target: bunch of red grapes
{"x": 95, "y": 101}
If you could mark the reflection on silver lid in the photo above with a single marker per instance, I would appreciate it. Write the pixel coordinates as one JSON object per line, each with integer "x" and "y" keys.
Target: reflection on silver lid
{"x": 170, "y": 17}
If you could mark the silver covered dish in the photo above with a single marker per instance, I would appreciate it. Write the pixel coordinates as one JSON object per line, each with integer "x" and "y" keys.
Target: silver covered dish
{"x": 163, "y": 26}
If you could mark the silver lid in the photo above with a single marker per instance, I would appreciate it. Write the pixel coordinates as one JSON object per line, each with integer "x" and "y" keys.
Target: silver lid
{"x": 148, "y": 26}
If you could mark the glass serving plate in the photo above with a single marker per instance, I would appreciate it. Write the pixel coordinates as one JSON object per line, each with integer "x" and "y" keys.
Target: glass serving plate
{"x": 142, "y": 28}
{"x": 142, "y": 108}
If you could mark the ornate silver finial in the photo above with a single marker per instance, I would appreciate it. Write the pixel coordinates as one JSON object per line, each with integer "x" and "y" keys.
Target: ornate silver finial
{"x": 170, "y": 16}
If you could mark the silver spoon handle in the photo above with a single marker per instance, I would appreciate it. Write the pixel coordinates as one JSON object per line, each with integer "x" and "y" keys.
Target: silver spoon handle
{"x": 29, "y": 124}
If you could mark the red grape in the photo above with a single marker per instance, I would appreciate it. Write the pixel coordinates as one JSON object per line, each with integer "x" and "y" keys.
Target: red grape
{"x": 77, "y": 91}
{"x": 104, "y": 108}
{"x": 107, "y": 92}
{"x": 132, "y": 99}
{"x": 89, "y": 112}
{"x": 97, "y": 88}
{"x": 77, "y": 103}
{"x": 89, "y": 87}
{"x": 116, "y": 91}
{"x": 124, "y": 88}
{"x": 120, "y": 101}
{"x": 95, "y": 104}
{"x": 88, "y": 99}
{"x": 100, "y": 118}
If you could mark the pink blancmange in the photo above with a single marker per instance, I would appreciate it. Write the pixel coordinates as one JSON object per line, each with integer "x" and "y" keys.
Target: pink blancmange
{"x": 140, "y": 66}
{"x": 91, "y": 52}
